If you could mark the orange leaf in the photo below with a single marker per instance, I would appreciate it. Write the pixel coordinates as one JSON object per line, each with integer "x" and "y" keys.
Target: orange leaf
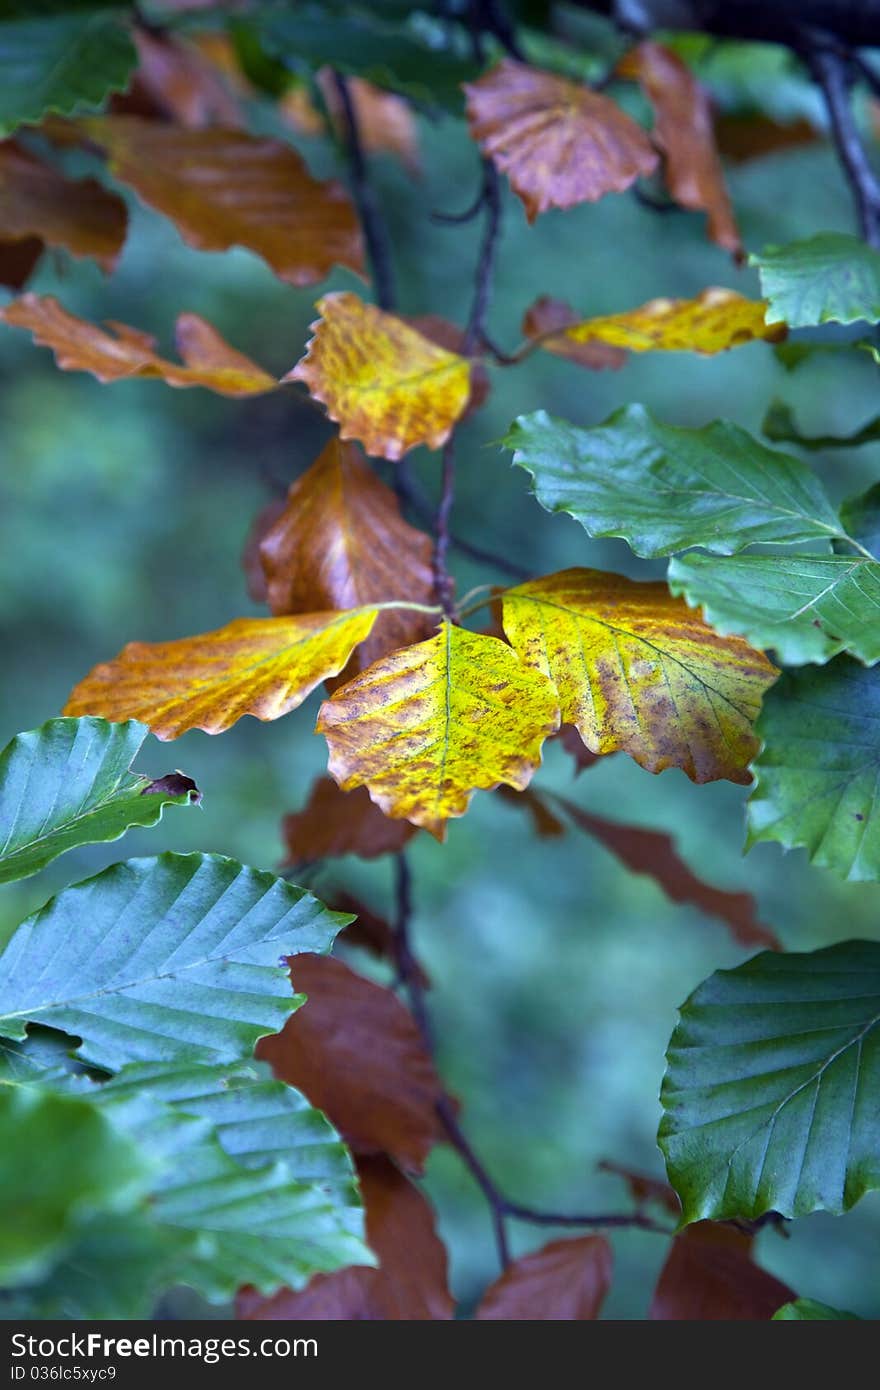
{"x": 37, "y": 200}
{"x": 334, "y": 822}
{"x": 548, "y": 317}
{"x": 224, "y": 188}
{"x": 410, "y": 1283}
{"x": 341, "y": 543}
{"x": 559, "y": 142}
{"x": 382, "y": 381}
{"x": 684, "y": 132}
{"x": 355, "y": 1050}
{"x": 182, "y": 81}
{"x": 566, "y": 1281}
{"x": 709, "y": 1277}
{"x": 126, "y": 352}
{"x": 260, "y": 666}
{"x": 717, "y": 319}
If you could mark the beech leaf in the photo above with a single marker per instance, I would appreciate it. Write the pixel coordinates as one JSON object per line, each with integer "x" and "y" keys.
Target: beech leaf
{"x": 566, "y": 1281}
{"x": 63, "y": 62}
{"x": 334, "y": 822}
{"x": 716, "y": 320}
{"x": 78, "y": 215}
{"x": 831, "y": 278}
{"x": 545, "y": 320}
{"x": 709, "y": 1276}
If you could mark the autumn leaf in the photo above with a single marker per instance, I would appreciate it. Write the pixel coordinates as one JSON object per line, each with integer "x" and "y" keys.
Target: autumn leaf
{"x": 78, "y": 215}
{"x": 18, "y": 260}
{"x": 383, "y": 382}
{"x": 260, "y": 666}
{"x": 358, "y": 1055}
{"x": 334, "y": 822}
{"x": 341, "y": 543}
{"x": 426, "y": 727}
{"x": 716, "y": 320}
{"x": 411, "y": 1282}
{"x": 251, "y": 560}
{"x": 372, "y": 933}
{"x": 559, "y": 142}
{"x": 182, "y": 81}
{"x": 566, "y": 1281}
{"x": 576, "y": 749}
{"x": 546, "y": 319}
{"x": 709, "y": 1276}
{"x": 685, "y": 134}
{"x": 643, "y": 1188}
{"x": 123, "y": 352}
{"x": 224, "y": 188}
{"x": 636, "y": 670}
{"x": 449, "y": 336}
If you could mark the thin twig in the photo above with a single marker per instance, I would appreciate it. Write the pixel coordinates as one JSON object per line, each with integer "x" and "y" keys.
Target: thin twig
{"x": 486, "y": 259}
{"x": 372, "y": 221}
{"x": 444, "y": 589}
{"x": 422, "y": 510}
{"x": 833, "y": 72}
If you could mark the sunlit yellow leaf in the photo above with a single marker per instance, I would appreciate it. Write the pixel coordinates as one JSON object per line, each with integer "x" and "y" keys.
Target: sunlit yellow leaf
{"x": 385, "y": 383}
{"x": 716, "y": 320}
{"x": 260, "y": 666}
{"x": 425, "y": 727}
{"x": 636, "y": 670}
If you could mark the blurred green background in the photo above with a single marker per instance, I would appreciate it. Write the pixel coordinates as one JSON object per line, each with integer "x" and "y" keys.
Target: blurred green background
{"x": 123, "y": 510}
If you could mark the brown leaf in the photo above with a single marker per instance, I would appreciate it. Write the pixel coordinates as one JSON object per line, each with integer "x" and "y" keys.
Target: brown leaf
{"x": 370, "y": 932}
{"x": 566, "y": 1281}
{"x": 334, "y": 822}
{"x": 577, "y": 749}
{"x": 550, "y": 316}
{"x": 411, "y": 1282}
{"x": 385, "y": 121}
{"x": 224, "y": 188}
{"x": 183, "y": 83}
{"x": 127, "y": 352}
{"x": 643, "y": 1188}
{"x": 357, "y": 1054}
{"x": 559, "y": 142}
{"x": 37, "y": 200}
{"x": 743, "y": 138}
{"x": 545, "y": 822}
{"x": 709, "y": 1277}
{"x": 251, "y": 563}
{"x": 18, "y": 260}
{"x": 684, "y": 132}
{"x": 341, "y": 543}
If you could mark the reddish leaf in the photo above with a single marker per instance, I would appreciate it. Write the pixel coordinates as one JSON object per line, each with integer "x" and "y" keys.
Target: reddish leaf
{"x": 341, "y": 543}
{"x": 334, "y": 822}
{"x": 643, "y": 1188}
{"x": 566, "y": 1281}
{"x": 545, "y": 822}
{"x": 251, "y": 562}
{"x": 411, "y": 1282}
{"x": 357, "y": 1054}
{"x": 743, "y": 138}
{"x": 548, "y": 316}
{"x": 369, "y": 931}
{"x": 577, "y": 749}
{"x": 18, "y": 260}
{"x": 559, "y": 142}
{"x": 183, "y": 83}
{"x": 709, "y": 1277}
{"x": 37, "y": 200}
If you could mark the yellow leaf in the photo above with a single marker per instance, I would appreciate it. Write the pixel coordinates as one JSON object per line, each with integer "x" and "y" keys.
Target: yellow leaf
{"x": 636, "y": 670}
{"x": 425, "y": 727}
{"x": 716, "y": 320}
{"x": 385, "y": 383}
{"x": 260, "y": 666}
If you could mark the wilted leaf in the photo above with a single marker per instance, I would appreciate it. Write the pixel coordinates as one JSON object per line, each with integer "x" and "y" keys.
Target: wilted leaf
{"x": 741, "y": 138}
{"x": 71, "y": 783}
{"x": 260, "y": 666}
{"x": 684, "y": 132}
{"x": 559, "y": 142}
{"x": 769, "y": 1097}
{"x": 341, "y": 543}
{"x": 356, "y": 1052}
{"x": 831, "y": 278}
{"x": 664, "y": 488}
{"x": 566, "y": 1281}
{"x": 186, "y": 86}
{"x": 65, "y": 62}
{"x": 709, "y": 1276}
{"x": 716, "y": 320}
{"x": 224, "y": 188}
{"x": 642, "y": 1187}
{"x": 18, "y": 260}
{"x": 426, "y": 727}
{"x": 808, "y": 1310}
{"x": 816, "y": 777}
{"x": 547, "y": 317}
{"x": 382, "y": 381}
{"x": 37, "y": 200}
{"x": 334, "y": 822}
{"x": 635, "y": 670}
{"x": 545, "y": 822}
{"x": 126, "y": 352}
{"x": 410, "y": 1283}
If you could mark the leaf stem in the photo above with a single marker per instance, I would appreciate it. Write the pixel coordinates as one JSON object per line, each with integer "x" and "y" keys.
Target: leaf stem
{"x": 444, "y": 588}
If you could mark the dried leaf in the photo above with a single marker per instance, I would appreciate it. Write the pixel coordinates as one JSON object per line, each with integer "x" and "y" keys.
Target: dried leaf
{"x": 426, "y": 727}
{"x": 449, "y": 336}
{"x": 716, "y": 320}
{"x": 643, "y": 1188}
{"x": 37, "y": 200}
{"x": 126, "y": 352}
{"x": 371, "y": 932}
{"x": 356, "y": 1052}
{"x": 224, "y": 188}
{"x": 385, "y": 121}
{"x": 335, "y": 822}
{"x": 636, "y": 670}
{"x": 341, "y": 543}
{"x": 411, "y": 1282}
{"x": 545, "y": 822}
{"x": 577, "y": 749}
{"x": 183, "y": 83}
{"x": 709, "y": 1277}
{"x": 384, "y": 383}
{"x": 559, "y": 142}
{"x": 684, "y": 132}
{"x": 18, "y": 260}
{"x": 251, "y": 562}
{"x": 548, "y": 317}
{"x": 741, "y": 138}
{"x": 260, "y": 666}
{"x": 566, "y": 1281}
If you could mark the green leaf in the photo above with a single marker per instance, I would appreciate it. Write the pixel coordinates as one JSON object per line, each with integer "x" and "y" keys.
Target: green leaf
{"x": 770, "y": 1097}
{"x": 174, "y": 959}
{"x": 831, "y": 278}
{"x": 664, "y": 488}
{"x": 861, "y": 518}
{"x": 61, "y": 1161}
{"x": 807, "y": 608}
{"x": 808, "y": 1310}
{"x": 817, "y": 778}
{"x": 779, "y": 425}
{"x": 70, "y": 783}
{"x": 67, "y": 63}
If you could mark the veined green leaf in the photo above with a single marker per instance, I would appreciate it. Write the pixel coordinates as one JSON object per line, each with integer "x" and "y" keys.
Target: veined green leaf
{"x": 831, "y": 278}
{"x": 67, "y": 62}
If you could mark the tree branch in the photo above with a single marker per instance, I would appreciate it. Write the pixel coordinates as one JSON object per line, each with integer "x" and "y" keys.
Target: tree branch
{"x": 833, "y": 73}
{"x": 372, "y": 221}
{"x": 856, "y": 23}
{"x": 444, "y": 590}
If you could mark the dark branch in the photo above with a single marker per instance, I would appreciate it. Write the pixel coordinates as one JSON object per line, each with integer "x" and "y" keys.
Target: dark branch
{"x": 486, "y": 259}
{"x": 372, "y": 221}
{"x": 834, "y": 73}
{"x": 444, "y": 592}
{"x": 855, "y": 23}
